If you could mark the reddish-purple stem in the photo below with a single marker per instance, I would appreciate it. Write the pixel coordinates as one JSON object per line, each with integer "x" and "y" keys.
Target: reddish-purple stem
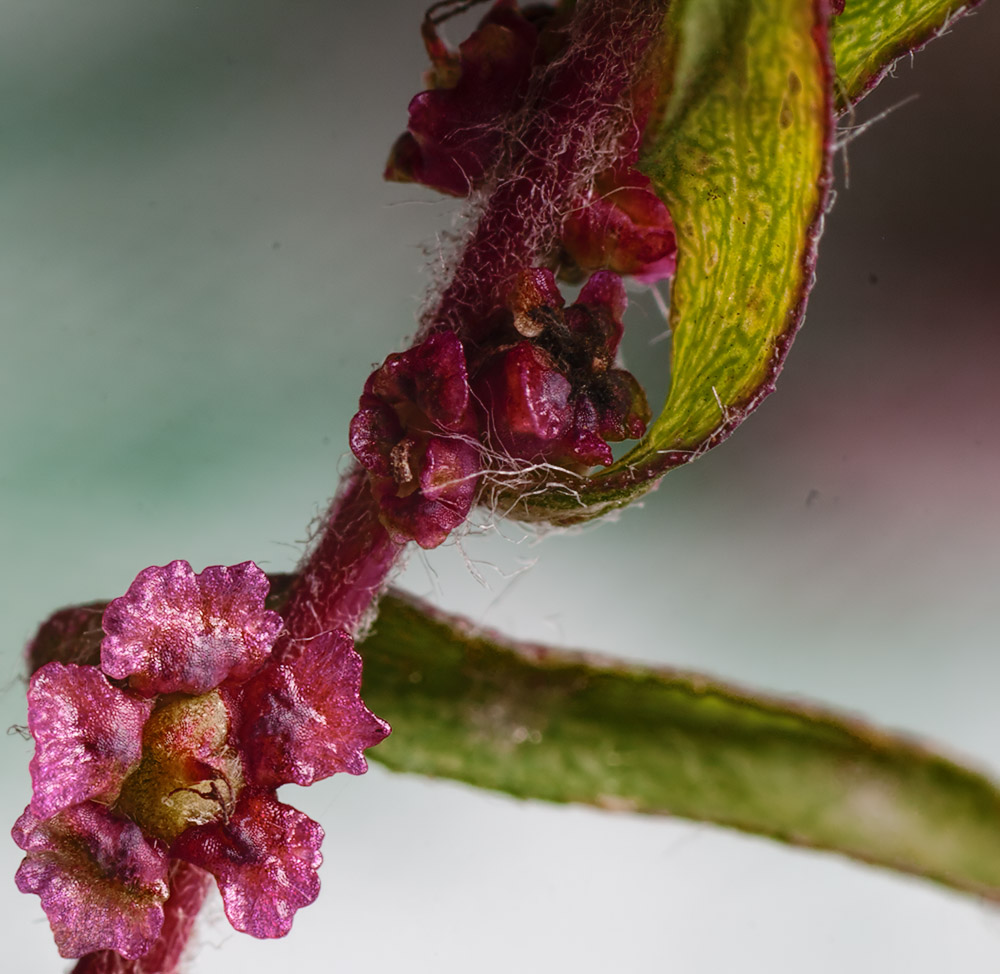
{"x": 579, "y": 108}
{"x": 347, "y": 568}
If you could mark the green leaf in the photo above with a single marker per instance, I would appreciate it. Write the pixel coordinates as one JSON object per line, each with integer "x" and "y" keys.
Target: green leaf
{"x": 739, "y": 151}
{"x": 566, "y": 727}
{"x": 870, "y": 34}
{"x": 551, "y": 724}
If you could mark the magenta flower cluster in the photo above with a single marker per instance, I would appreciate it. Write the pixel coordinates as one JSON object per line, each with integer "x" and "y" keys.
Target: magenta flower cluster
{"x": 457, "y": 128}
{"x": 519, "y": 384}
{"x": 415, "y": 433}
{"x": 539, "y": 386}
{"x": 546, "y": 374}
{"x": 173, "y": 749}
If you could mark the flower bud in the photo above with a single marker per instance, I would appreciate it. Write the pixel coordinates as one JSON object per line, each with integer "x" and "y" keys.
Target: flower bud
{"x": 548, "y": 383}
{"x": 415, "y": 434}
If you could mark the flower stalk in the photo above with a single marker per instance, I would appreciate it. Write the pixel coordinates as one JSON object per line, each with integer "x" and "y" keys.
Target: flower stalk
{"x": 347, "y": 568}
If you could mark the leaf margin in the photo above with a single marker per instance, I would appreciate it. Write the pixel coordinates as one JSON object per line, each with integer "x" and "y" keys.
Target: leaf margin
{"x": 566, "y": 499}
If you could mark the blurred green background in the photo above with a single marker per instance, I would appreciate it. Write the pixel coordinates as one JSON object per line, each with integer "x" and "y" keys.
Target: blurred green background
{"x": 199, "y": 265}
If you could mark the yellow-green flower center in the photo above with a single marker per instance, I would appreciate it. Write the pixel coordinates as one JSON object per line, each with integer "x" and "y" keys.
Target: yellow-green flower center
{"x": 189, "y": 774}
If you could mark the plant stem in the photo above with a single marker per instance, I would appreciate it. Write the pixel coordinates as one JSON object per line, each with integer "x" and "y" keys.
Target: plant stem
{"x": 582, "y": 113}
{"x": 347, "y": 568}
{"x": 577, "y": 122}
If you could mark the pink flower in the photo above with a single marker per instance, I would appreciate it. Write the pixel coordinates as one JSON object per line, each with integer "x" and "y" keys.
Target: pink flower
{"x": 179, "y": 758}
{"x": 622, "y": 226}
{"x": 415, "y": 433}
{"x": 547, "y": 379}
{"x": 456, "y": 128}
{"x": 174, "y": 631}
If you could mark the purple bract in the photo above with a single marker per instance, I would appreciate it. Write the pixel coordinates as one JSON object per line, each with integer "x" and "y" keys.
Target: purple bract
{"x": 174, "y": 631}
{"x": 415, "y": 433}
{"x": 456, "y": 128}
{"x": 101, "y": 881}
{"x": 180, "y": 757}
{"x": 547, "y": 379}
{"x": 622, "y": 226}
{"x": 264, "y": 859}
{"x": 88, "y": 736}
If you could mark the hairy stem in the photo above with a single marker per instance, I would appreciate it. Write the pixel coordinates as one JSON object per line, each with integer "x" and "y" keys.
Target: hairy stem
{"x": 574, "y": 124}
{"x": 347, "y": 568}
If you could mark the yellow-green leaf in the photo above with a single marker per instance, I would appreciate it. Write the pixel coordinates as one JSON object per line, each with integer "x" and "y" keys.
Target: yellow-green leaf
{"x": 739, "y": 152}
{"x": 870, "y": 34}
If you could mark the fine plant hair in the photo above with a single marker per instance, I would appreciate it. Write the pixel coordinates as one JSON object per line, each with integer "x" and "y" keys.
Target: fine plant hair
{"x": 572, "y": 160}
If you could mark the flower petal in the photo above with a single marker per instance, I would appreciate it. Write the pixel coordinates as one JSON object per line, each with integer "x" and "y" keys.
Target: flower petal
{"x": 308, "y": 721}
{"x": 622, "y": 226}
{"x": 100, "y": 881}
{"x": 176, "y": 631}
{"x": 415, "y": 434}
{"x": 374, "y": 431}
{"x": 264, "y": 860}
{"x": 88, "y": 736}
{"x": 430, "y": 376}
{"x": 428, "y": 521}
{"x": 545, "y": 376}
{"x": 455, "y": 129}
{"x": 522, "y": 385}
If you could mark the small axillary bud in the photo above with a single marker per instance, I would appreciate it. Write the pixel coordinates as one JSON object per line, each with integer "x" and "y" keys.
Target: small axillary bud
{"x": 415, "y": 434}
{"x": 189, "y": 773}
{"x": 546, "y": 376}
